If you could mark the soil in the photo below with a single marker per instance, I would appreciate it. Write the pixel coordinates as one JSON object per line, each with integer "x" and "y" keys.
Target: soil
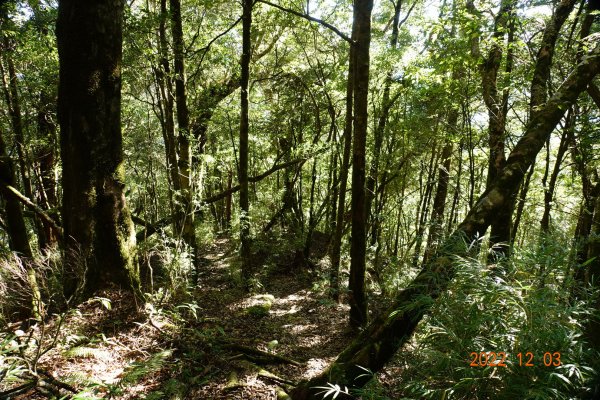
{"x": 194, "y": 353}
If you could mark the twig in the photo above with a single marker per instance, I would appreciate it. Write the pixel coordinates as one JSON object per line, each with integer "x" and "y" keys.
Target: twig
{"x": 59, "y": 384}
{"x": 8, "y": 394}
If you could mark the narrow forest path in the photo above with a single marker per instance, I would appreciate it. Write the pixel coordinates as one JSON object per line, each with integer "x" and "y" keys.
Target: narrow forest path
{"x": 291, "y": 316}
{"x": 198, "y": 344}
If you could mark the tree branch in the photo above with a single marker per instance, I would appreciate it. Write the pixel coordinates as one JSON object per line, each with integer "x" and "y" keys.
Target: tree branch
{"x": 152, "y": 229}
{"x": 312, "y": 19}
{"x": 33, "y": 207}
{"x": 594, "y": 93}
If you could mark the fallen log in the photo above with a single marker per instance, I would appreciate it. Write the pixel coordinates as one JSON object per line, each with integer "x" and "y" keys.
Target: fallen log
{"x": 259, "y": 356}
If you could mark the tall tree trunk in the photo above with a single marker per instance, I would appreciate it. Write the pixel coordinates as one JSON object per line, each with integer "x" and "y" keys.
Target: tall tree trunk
{"x": 362, "y": 34}
{"x": 97, "y": 223}
{"x": 166, "y": 102}
{"x": 188, "y": 231}
{"x": 453, "y": 216}
{"x": 439, "y": 201}
{"x": 336, "y": 246}
{"x": 311, "y": 212}
{"x": 377, "y": 344}
{"x": 386, "y": 105}
{"x": 46, "y": 159}
{"x": 423, "y": 207}
{"x": 551, "y": 184}
{"x": 12, "y": 97}
{"x": 245, "y": 252}
{"x": 490, "y": 67}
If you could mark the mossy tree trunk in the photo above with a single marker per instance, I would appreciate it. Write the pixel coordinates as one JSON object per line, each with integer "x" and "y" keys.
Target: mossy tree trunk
{"x": 97, "y": 224}
{"x": 377, "y": 344}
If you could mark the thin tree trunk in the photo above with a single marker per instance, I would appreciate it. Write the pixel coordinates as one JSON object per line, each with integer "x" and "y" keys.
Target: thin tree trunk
{"x": 386, "y": 104}
{"x": 245, "y": 252}
{"x": 549, "y": 190}
{"x": 166, "y": 101}
{"x": 46, "y": 158}
{"x": 423, "y": 208}
{"x": 358, "y": 248}
{"x": 11, "y": 94}
{"x": 188, "y": 231}
{"x": 311, "y": 212}
{"x": 439, "y": 201}
{"x": 452, "y": 220}
{"x": 336, "y": 247}
{"x": 521, "y": 202}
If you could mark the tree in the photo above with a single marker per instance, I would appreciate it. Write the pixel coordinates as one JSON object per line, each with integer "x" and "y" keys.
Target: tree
{"x": 497, "y": 106}
{"x": 362, "y": 33}
{"x": 185, "y": 196}
{"x": 245, "y": 250}
{"x": 97, "y": 224}
{"x": 375, "y": 346}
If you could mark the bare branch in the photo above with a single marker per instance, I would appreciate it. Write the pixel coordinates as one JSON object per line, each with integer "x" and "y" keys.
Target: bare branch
{"x": 309, "y": 18}
{"x": 34, "y": 207}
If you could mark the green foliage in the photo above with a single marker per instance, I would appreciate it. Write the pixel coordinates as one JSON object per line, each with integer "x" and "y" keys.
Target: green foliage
{"x": 512, "y": 313}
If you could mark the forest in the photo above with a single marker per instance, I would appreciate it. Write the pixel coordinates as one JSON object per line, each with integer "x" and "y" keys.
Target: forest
{"x": 300, "y": 199}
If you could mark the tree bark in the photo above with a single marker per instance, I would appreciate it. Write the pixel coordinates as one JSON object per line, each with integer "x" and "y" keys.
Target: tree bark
{"x": 336, "y": 245}
{"x": 377, "y": 344}
{"x": 96, "y": 220}
{"x": 186, "y": 194}
{"x": 358, "y": 248}
{"x": 245, "y": 251}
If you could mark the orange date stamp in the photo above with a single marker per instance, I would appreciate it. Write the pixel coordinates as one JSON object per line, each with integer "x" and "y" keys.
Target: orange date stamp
{"x": 500, "y": 359}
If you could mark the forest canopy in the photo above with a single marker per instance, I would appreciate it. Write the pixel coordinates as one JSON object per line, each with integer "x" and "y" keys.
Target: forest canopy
{"x": 284, "y": 199}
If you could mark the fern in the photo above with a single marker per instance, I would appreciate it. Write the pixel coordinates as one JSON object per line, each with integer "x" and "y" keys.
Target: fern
{"x": 138, "y": 370}
{"x": 83, "y": 352}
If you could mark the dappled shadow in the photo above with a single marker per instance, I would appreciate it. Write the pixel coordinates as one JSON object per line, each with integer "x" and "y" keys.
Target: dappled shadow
{"x": 287, "y": 317}
{"x": 95, "y": 344}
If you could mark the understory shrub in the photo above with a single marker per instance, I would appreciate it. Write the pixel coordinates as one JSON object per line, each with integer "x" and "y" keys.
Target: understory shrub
{"x": 528, "y": 310}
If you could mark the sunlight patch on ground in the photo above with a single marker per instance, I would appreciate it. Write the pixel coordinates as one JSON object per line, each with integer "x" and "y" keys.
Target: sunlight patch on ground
{"x": 283, "y": 312}
{"x": 315, "y": 366}
{"x": 256, "y": 300}
{"x": 296, "y": 329}
{"x": 310, "y": 341}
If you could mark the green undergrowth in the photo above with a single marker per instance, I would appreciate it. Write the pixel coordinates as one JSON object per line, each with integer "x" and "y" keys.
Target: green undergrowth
{"x": 529, "y": 310}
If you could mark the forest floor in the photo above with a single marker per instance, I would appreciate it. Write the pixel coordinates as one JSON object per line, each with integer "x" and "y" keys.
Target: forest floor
{"x": 202, "y": 347}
